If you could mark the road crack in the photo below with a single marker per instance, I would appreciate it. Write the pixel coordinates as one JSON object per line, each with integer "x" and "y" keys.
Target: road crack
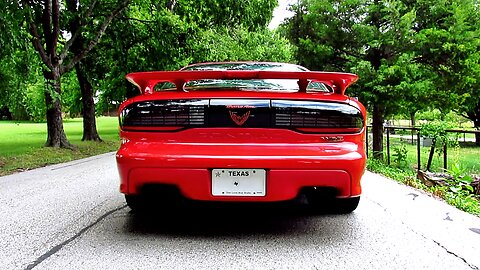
{"x": 58, "y": 247}
{"x": 453, "y": 253}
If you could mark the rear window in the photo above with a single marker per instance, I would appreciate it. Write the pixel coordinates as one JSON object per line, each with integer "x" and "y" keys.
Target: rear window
{"x": 246, "y": 85}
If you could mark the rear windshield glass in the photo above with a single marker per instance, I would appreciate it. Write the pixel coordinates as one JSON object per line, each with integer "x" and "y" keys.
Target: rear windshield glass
{"x": 246, "y": 85}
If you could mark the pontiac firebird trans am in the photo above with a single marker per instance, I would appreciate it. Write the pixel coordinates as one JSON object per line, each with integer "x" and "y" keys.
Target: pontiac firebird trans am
{"x": 243, "y": 132}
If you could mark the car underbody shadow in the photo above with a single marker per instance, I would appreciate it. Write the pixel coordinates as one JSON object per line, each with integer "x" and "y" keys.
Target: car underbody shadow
{"x": 180, "y": 216}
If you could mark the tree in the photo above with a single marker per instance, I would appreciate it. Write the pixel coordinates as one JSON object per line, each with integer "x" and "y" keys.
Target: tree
{"x": 88, "y": 105}
{"x": 206, "y": 14}
{"x": 168, "y": 35}
{"x": 20, "y": 77}
{"x": 447, "y": 42}
{"x": 367, "y": 37}
{"x": 45, "y": 27}
{"x": 237, "y": 44}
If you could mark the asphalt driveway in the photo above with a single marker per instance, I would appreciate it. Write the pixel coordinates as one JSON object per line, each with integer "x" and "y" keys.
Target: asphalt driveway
{"x": 71, "y": 216}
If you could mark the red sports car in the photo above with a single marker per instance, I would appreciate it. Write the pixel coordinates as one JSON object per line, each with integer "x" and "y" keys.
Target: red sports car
{"x": 243, "y": 132}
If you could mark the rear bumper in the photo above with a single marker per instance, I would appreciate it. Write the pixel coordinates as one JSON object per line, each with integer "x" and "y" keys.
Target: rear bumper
{"x": 286, "y": 174}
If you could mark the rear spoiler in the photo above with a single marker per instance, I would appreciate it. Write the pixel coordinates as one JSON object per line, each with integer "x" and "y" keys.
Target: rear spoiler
{"x": 146, "y": 81}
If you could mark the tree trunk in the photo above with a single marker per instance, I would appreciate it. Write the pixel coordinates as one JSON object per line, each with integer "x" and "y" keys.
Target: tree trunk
{"x": 476, "y": 124}
{"x": 377, "y": 131}
{"x": 412, "y": 119}
{"x": 56, "y": 136}
{"x": 88, "y": 105}
{"x": 89, "y": 122}
{"x": 474, "y": 115}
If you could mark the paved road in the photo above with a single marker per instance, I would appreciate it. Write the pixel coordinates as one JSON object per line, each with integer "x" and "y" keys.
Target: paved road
{"x": 70, "y": 216}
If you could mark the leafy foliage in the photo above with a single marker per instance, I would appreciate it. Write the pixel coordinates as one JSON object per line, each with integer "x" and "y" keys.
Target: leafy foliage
{"x": 367, "y": 37}
{"x": 149, "y": 35}
{"x": 207, "y": 14}
{"x": 437, "y": 131}
{"x": 156, "y": 36}
{"x": 397, "y": 174}
{"x": 459, "y": 179}
{"x": 400, "y": 156}
{"x": 237, "y": 44}
{"x": 410, "y": 55}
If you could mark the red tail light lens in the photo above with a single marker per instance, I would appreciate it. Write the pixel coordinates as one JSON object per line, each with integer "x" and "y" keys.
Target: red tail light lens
{"x": 163, "y": 115}
{"x": 317, "y": 117}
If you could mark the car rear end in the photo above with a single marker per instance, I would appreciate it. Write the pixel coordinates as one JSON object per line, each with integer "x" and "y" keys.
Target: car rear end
{"x": 251, "y": 146}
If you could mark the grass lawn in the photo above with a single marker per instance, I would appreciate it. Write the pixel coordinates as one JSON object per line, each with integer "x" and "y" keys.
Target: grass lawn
{"x": 21, "y": 143}
{"x": 466, "y": 155}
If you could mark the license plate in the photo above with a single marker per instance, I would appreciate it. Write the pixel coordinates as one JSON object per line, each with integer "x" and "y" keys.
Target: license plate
{"x": 238, "y": 182}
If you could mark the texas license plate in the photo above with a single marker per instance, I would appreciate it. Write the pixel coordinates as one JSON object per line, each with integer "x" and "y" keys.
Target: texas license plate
{"x": 238, "y": 182}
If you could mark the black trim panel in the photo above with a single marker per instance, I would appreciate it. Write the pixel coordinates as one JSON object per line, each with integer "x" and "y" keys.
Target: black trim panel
{"x": 244, "y": 113}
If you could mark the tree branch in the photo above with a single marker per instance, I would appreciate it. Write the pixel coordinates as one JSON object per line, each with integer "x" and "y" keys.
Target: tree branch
{"x": 135, "y": 19}
{"x": 38, "y": 46}
{"x": 462, "y": 114}
{"x": 90, "y": 9}
{"x": 46, "y": 25}
{"x": 56, "y": 29}
{"x": 32, "y": 28}
{"x": 349, "y": 53}
{"x": 171, "y": 5}
{"x": 94, "y": 41}
{"x": 75, "y": 35}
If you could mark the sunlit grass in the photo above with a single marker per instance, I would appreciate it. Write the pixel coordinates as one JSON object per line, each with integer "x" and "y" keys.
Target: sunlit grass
{"x": 22, "y": 143}
{"x": 467, "y": 156}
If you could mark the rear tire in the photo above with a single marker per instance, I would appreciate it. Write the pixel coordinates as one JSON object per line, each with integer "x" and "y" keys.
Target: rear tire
{"x": 166, "y": 198}
{"x": 323, "y": 200}
{"x": 135, "y": 202}
{"x": 345, "y": 205}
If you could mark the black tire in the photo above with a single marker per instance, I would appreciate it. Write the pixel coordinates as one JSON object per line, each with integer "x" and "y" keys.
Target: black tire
{"x": 345, "y": 205}
{"x": 154, "y": 198}
{"x": 136, "y": 202}
{"x": 323, "y": 201}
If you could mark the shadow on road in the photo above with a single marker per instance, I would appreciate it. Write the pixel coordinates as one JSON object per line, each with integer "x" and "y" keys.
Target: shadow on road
{"x": 188, "y": 218}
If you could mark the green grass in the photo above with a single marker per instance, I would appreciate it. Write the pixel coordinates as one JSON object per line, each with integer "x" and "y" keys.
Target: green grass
{"x": 21, "y": 143}
{"x": 467, "y": 155}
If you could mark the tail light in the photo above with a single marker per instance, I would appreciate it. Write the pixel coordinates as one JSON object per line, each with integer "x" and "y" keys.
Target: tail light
{"x": 302, "y": 116}
{"x": 317, "y": 117}
{"x": 163, "y": 115}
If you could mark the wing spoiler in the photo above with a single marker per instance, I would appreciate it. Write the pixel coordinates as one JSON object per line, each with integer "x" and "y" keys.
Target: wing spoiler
{"x": 146, "y": 81}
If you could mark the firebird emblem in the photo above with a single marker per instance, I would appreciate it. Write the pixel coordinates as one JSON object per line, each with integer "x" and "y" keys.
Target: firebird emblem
{"x": 239, "y": 120}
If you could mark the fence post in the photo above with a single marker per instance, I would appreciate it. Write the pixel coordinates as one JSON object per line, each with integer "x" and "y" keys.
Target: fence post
{"x": 445, "y": 156}
{"x": 388, "y": 145}
{"x": 412, "y": 135}
{"x": 366, "y": 139}
{"x": 418, "y": 151}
